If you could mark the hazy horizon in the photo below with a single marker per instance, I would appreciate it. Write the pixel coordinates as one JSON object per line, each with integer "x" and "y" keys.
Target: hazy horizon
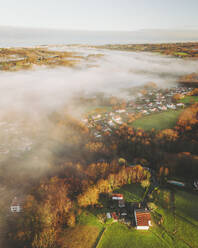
{"x": 17, "y": 36}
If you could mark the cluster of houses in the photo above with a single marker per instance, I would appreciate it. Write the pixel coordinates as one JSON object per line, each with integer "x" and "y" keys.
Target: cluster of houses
{"x": 153, "y": 101}
{"x": 134, "y": 213}
{"x": 157, "y": 100}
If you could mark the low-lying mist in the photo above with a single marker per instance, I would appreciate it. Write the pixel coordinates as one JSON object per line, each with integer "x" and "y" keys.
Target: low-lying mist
{"x": 45, "y": 89}
{"x": 27, "y": 98}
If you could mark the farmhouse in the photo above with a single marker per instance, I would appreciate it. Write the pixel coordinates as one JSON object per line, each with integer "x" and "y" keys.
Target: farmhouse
{"x": 16, "y": 205}
{"x": 142, "y": 219}
{"x": 117, "y": 197}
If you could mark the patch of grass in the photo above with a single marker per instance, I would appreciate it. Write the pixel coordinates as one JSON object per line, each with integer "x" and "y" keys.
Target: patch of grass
{"x": 98, "y": 109}
{"x": 131, "y": 192}
{"x": 79, "y": 237}
{"x": 189, "y": 99}
{"x": 181, "y": 54}
{"x": 158, "y": 121}
{"x": 88, "y": 218}
{"x": 187, "y": 216}
{"x": 180, "y": 221}
{"x": 120, "y": 236}
{"x": 85, "y": 234}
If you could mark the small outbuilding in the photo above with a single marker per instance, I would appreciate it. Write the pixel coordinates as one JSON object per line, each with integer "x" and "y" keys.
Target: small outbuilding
{"x": 142, "y": 219}
{"x": 177, "y": 183}
{"x": 117, "y": 197}
{"x": 108, "y": 216}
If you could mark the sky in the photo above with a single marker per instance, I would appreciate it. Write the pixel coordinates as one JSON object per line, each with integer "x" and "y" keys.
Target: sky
{"x": 116, "y": 15}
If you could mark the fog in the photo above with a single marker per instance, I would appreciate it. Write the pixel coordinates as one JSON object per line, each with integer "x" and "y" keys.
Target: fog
{"x": 27, "y": 98}
{"x": 43, "y": 89}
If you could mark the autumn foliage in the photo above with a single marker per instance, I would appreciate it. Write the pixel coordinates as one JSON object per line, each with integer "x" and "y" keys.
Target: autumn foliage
{"x": 188, "y": 118}
{"x": 124, "y": 176}
{"x": 84, "y": 168}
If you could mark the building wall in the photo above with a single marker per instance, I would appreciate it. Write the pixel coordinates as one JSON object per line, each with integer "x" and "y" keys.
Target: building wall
{"x": 142, "y": 227}
{"x": 15, "y": 209}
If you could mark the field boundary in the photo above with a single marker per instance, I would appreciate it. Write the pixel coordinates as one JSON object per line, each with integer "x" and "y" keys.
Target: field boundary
{"x": 98, "y": 240}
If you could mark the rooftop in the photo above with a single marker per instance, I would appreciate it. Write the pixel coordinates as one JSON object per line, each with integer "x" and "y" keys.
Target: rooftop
{"x": 142, "y": 217}
{"x": 16, "y": 202}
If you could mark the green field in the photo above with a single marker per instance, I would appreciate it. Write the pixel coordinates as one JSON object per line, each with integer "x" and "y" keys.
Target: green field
{"x": 158, "y": 121}
{"x": 189, "y": 99}
{"x": 119, "y": 236}
{"x": 187, "y": 217}
{"x": 85, "y": 234}
{"x": 180, "y": 216}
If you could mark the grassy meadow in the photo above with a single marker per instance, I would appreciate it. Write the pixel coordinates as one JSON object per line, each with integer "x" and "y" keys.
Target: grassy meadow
{"x": 189, "y": 99}
{"x": 158, "y": 121}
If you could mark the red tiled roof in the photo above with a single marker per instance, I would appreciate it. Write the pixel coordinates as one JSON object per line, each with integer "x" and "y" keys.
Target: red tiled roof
{"x": 117, "y": 195}
{"x": 142, "y": 217}
{"x": 16, "y": 202}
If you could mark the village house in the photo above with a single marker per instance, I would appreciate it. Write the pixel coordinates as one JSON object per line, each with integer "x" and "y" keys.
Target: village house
{"x": 16, "y": 205}
{"x": 142, "y": 219}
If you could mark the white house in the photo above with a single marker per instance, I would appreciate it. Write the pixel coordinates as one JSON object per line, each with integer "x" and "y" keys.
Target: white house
{"x": 108, "y": 216}
{"x": 142, "y": 219}
{"x": 16, "y": 205}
